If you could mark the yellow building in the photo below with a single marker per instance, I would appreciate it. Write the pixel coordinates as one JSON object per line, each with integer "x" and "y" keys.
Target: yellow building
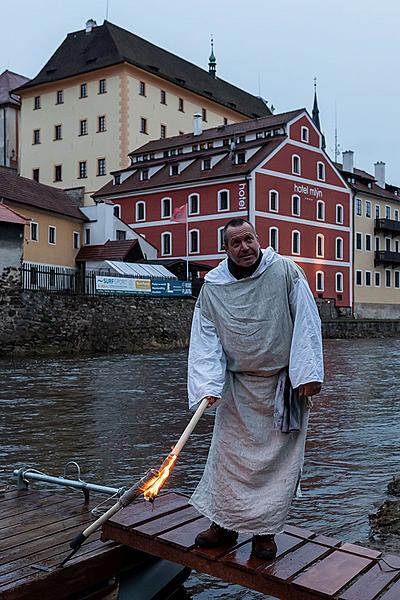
{"x": 105, "y": 92}
{"x": 53, "y": 232}
{"x": 376, "y": 241}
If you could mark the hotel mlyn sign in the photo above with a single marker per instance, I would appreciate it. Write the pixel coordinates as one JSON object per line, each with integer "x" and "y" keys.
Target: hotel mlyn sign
{"x": 272, "y": 171}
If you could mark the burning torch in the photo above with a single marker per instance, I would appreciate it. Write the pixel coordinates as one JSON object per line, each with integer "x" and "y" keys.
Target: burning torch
{"x": 149, "y": 485}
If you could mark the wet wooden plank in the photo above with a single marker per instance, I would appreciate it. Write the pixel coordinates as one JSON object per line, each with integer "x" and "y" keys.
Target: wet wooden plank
{"x": 296, "y": 561}
{"x": 393, "y": 593}
{"x": 332, "y": 573}
{"x": 170, "y": 521}
{"x": 184, "y": 536}
{"x": 305, "y": 534}
{"x": 38, "y": 517}
{"x": 140, "y": 512}
{"x": 243, "y": 559}
{"x": 360, "y": 550}
{"x": 327, "y": 540}
{"x": 372, "y": 583}
{"x": 15, "y": 506}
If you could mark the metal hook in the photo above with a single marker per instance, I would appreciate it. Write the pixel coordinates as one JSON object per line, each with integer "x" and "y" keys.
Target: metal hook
{"x": 75, "y": 464}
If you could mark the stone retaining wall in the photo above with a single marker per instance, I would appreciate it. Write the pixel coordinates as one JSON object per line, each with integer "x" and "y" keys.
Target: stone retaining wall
{"x": 36, "y": 323}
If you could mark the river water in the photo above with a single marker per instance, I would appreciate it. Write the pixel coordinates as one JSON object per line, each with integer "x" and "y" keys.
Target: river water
{"x": 118, "y": 415}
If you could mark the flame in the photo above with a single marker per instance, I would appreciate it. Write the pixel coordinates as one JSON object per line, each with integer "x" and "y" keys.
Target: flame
{"x": 152, "y": 487}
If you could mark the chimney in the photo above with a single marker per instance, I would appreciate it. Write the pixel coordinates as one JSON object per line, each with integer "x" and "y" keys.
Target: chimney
{"x": 90, "y": 24}
{"x": 348, "y": 161}
{"x": 197, "y": 124}
{"x": 380, "y": 173}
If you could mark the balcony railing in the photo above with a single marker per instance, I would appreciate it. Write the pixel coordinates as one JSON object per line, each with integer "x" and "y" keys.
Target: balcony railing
{"x": 384, "y": 257}
{"x": 388, "y": 225}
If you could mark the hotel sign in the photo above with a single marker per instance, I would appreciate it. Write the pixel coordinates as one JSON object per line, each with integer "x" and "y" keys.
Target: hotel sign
{"x": 307, "y": 191}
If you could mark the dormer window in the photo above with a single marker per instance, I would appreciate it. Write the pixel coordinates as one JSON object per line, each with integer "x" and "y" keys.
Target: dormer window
{"x": 174, "y": 170}
{"x": 206, "y": 164}
{"x": 144, "y": 174}
{"x": 241, "y": 158}
{"x": 259, "y": 135}
{"x": 165, "y": 154}
{"x": 304, "y": 134}
{"x": 117, "y": 179}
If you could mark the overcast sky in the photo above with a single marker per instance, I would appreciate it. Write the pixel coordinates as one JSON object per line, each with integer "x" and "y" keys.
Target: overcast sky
{"x": 276, "y": 46}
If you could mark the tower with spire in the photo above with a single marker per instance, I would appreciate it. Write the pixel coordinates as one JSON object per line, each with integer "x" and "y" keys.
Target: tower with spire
{"x": 315, "y": 114}
{"x": 212, "y": 61}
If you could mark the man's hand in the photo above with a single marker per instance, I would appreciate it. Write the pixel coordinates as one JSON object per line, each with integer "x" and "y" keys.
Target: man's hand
{"x": 310, "y": 389}
{"x": 211, "y": 400}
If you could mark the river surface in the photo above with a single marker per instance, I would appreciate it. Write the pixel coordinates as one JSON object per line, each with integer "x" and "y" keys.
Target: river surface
{"x": 118, "y": 415}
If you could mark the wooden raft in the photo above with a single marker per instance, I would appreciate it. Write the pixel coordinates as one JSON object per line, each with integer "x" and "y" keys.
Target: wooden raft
{"x": 308, "y": 566}
{"x": 35, "y": 530}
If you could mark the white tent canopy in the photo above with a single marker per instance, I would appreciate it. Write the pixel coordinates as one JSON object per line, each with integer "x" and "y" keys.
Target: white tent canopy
{"x": 139, "y": 270}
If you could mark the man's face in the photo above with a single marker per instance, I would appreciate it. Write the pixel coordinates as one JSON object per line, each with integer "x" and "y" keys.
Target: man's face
{"x": 242, "y": 245}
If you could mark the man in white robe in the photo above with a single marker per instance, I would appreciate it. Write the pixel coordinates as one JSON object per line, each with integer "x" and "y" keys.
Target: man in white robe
{"x": 256, "y": 337}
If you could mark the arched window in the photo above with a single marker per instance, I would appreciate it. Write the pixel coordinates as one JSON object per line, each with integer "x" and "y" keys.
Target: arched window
{"x": 339, "y": 283}
{"x": 304, "y": 134}
{"x": 319, "y": 281}
{"x": 274, "y": 238}
{"x": 273, "y": 200}
{"x": 194, "y": 241}
{"x": 296, "y": 205}
{"x": 166, "y": 243}
{"x": 339, "y": 248}
{"x": 339, "y": 214}
{"x": 117, "y": 210}
{"x": 223, "y": 200}
{"x": 321, "y": 210}
{"x": 320, "y": 245}
{"x": 296, "y": 164}
{"x": 194, "y": 204}
{"x": 295, "y": 242}
{"x": 140, "y": 211}
{"x": 320, "y": 171}
{"x": 166, "y": 204}
{"x": 220, "y": 239}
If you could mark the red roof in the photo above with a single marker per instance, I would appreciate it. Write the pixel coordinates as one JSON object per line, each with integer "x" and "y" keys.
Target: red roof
{"x": 111, "y": 250}
{"x": 8, "y": 215}
{"x": 21, "y": 190}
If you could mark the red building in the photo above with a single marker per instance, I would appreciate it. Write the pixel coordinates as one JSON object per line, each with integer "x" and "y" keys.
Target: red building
{"x": 272, "y": 170}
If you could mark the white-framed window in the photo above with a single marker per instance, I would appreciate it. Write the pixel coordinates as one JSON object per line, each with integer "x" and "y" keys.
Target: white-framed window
{"x": 101, "y": 167}
{"x": 102, "y": 86}
{"x": 396, "y": 214}
{"x": 295, "y": 242}
{"x": 87, "y": 235}
{"x": 387, "y": 212}
{"x": 296, "y": 164}
{"x": 101, "y": 123}
{"x": 358, "y": 241}
{"x": 339, "y": 283}
{"x": 37, "y": 103}
{"x": 368, "y": 242}
{"x": 368, "y": 209}
{"x": 339, "y": 248}
{"x": 359, "y": 277}
{"x": 194, "y": 204}
{"x": 60, "y": 97}
{"x": 304, "y": 134}
{"x": 83, "y": 127}
{"x": 140, "y": 211}
{"x": 388, "y": 244}
{"x": 397, "y": 279}
{"x": 339, "y": 214}
{"x": 34, "y": 231}
{"x": 358, "y": 207}
{"x": 296, "y": 205}
{"x": 274, "y": 238}
{"x": 320, "y": 171}
{"x": 223, "y": 200}
{"x": 83, "y": 90}
{"x": 82, "y": 169}
{"x": 142, "y": 88}
{"x": 377, "y": 279}
{"x": 117, "y": 210}
{"x": 320, "y": 243}
{"x": 166, "y": 243}
{"x": 52, "y": 234}
{"x": 76, "y": 241}
{"x": 194, "y": 241}
{"x": 377, "y": 211}
{"x": 368, "y": 278}
{"x": 377, "y": 243}
{"x": 319, "y": 281}
{"x": 388, "y": 278}
{"x": 166, "y": 207}
{"x": 220, "y": 239}
{"x": 320, "y": 210}
{"x": 273, "y": 200}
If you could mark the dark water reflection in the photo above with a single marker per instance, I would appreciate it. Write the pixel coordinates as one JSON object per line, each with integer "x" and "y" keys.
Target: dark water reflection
{"x": 119, "y": 415}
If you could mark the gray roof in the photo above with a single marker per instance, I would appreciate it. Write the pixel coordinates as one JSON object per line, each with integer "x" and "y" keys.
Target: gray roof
{"x": 9, "y": 81}
{"x": 108, "y": 45}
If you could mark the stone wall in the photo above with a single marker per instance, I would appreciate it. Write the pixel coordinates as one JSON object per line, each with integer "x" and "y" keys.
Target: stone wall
{"x": 35, "y": 323}
{"x": 360, "y": 328}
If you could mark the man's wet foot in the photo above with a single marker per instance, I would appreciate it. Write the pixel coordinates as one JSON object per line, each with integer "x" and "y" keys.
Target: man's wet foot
{"x": 215, "y": 536}
{"x": 264, "y": 547}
